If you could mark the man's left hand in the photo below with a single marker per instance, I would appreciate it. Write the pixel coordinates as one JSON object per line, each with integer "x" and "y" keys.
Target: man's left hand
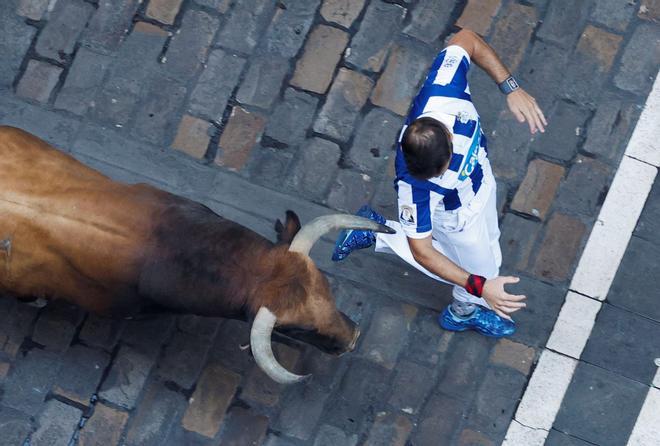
{"x": 525, "y": 108}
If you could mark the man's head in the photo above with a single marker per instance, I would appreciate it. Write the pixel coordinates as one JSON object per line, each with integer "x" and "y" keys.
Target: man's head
{"x": 427, "y": 148}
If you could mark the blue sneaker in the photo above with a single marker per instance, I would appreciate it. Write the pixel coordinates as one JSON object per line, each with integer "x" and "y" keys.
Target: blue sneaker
{"x": 483, "y": 320}
{"x": 352, "y": 239}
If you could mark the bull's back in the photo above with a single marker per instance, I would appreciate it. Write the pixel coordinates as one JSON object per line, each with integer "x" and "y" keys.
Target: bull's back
{"x": 67, "y": 231}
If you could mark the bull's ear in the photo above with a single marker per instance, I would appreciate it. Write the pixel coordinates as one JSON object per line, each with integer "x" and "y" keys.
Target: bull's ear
{"x": 287, "y": 231}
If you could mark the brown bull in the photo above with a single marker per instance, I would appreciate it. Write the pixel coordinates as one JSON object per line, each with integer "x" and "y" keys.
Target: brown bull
{"x": 68, "y": 232}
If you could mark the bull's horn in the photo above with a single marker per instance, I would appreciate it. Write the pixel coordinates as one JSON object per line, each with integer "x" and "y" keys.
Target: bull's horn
{"x": 262, "y": 328}
{"x": 314, "y": 230}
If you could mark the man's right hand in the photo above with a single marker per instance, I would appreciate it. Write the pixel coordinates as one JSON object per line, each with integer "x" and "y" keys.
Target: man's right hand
{"x": 499, "y": 300}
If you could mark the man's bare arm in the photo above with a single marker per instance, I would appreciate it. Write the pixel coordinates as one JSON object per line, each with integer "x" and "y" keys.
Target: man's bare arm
{"x": 500, "y": 301}
{"x": 521, "y": 104}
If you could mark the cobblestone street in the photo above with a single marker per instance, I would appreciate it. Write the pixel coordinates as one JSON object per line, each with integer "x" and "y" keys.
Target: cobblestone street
{"x": 253, "y": 107}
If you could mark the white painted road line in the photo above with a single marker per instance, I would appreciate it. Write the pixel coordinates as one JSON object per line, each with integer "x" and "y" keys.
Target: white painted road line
{"x": 643, "y": 144}
{"x": 593, "y": 277}
{"x": 545, "y": 391}
{"x": 612, "y": 231}
{"x": 519, "y": 435}
{"x": 574, "y": 324}
{"x": 647, "y": 428}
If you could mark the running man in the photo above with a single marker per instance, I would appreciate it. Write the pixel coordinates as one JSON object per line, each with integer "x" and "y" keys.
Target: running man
{"x": 446, "y": 190}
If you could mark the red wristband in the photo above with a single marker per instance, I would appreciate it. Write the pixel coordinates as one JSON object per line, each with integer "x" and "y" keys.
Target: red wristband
{"x": 475, "y": 285}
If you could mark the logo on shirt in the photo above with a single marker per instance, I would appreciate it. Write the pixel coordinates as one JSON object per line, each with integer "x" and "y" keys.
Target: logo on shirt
{"x": 407, "y": 215}
{"x": 449, "y": 61}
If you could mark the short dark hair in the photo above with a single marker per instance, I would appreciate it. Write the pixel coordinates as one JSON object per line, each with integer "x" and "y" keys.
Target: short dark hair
{"x": 426, "y": 147}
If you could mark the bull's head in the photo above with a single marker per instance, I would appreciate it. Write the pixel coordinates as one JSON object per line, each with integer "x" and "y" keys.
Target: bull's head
{"x": 310, "y": 314}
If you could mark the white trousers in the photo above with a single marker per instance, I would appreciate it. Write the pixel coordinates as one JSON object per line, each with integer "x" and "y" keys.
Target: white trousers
{"x": 475, "y": 248}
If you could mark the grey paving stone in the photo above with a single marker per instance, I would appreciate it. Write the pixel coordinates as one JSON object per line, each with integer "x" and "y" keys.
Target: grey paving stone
{"x": 276, "y": 440}
{"x": 616, "y": 344}
{"x": 562, "y": 139}
{"x": 126, "y": 378}
{"x": 614, "y": 14}
{"x": 556, "y": 438}
{"x": 109, "y": 24}
{"x": 289, "y": 27}
{"x": 226, "y": 348}
{"x": 388, "y": 334}
{"x": 68, "y": 19}
{"x": 31, "y": 9}
{"x": 243, "y": 426}
{"x": 467, "y": 355}
{"x": 38, "y": 81}
{"x": 168, "y": 170}
{"x": 83, "y": 80}
{"x": 301, "y": 411}
{"x": 428, "y": 342}
{"x": 610, "y": 128}
{"x": 635, "y": 279}
{"x": 101, "y": 332}
{"x": 216, "y": 84}
{"x": 363, "y": 385}
{"x": 203, "y": 327}
{"x": 585, "y": 187}
{"x": 183, "y": 359}
{"x": 496, "y": 400}
{"x": 15, "y": 39}
{"x": 600, "y": 406}
{"x": 220, "y": 5}
{"x": 47, "y": 125}
{"x": 350, "y": 191}
{"x": 259, "y": 390}
{"x": 368, "y": 48}
{"x": 331, "y": 436}
{"x": 178, "y": 436}
{"x": 31, "y": 378}
{"x": 15, "y": 426}
{"x": 316, "y": 166}
{"x": 347, "y": 95}
{"x": 263, "y": 81}
{"x": 487, "y": 98}
{"x": 156, "y": 118}
{"x": 292, "y": 117}
{"x": 155, "y": 416}
{"x": 534, "y": 323}
{"x": 596, "y": 51}
{"x": 147, "y": 335}
{"x": 80, "y": 374}
{"x": 268, "y": 165}
{"x": 326, "y": 370}
{"x": 57, "y": 424}
{"x": 439, "y": 420}
{"x": 135, "y": 63}
{"x": 355, "y": 300}
{"x": 640, "y": 60}
{"x": 648, "y": 225}
{"x": 541, "y": 79}
{"x": 517, "y": 241}
{"x": 375, "y": 140}
{"x": 411, "y": 386}
{"x": 245, "y": 25}
{"x": 189, "y": 46}
{"x": 384, "y": 200}
{"x": 429, "y": 20}
{"x": 56, "y": 326}
{"x": 508, "y": 147}
{"x": 15, "y": 325}
{"x": 563, "y": 22}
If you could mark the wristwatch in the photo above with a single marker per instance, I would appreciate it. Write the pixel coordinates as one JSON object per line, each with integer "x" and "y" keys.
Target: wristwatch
{"x": 509, "y": 85}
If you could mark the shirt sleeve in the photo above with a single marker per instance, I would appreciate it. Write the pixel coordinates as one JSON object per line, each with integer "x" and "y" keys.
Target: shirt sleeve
{"x": 414, "y": 210}
{"x": 453, "y": 64}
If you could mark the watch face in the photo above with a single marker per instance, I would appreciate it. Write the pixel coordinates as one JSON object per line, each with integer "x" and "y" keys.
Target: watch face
{"x": 512, "y": 83}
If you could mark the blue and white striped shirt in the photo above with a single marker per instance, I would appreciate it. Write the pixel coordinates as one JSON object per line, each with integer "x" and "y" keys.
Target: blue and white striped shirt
{"x": 466, "y": 184}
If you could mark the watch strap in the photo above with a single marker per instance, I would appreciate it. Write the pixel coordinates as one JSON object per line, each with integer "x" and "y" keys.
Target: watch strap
{"x": 509, "y": 85}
